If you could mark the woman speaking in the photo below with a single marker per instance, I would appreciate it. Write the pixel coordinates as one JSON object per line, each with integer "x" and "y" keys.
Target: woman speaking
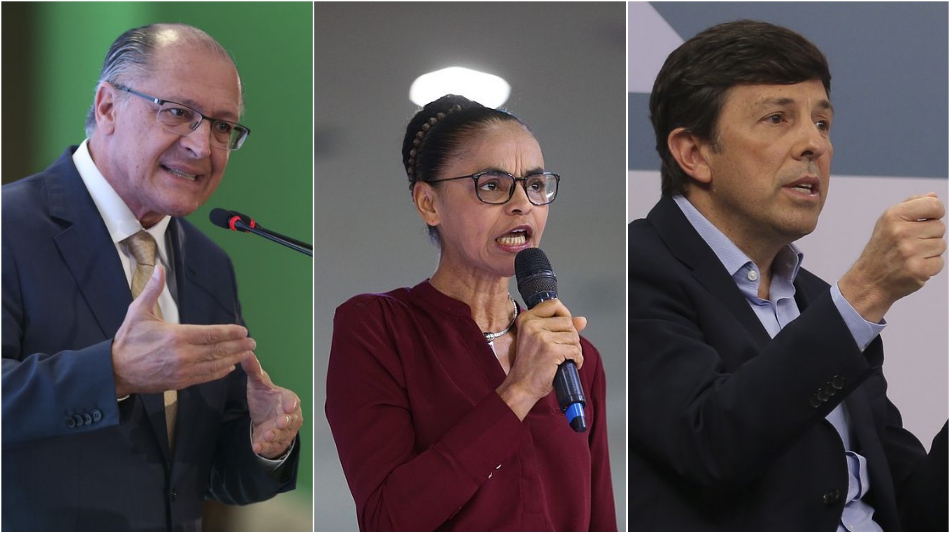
{"x": 440, "y": 396}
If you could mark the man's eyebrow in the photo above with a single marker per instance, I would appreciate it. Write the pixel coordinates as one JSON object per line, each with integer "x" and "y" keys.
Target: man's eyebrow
{"x": 824, "y": 103}
{"x": 781, "y": 101}
{"x": 224, "y": 115}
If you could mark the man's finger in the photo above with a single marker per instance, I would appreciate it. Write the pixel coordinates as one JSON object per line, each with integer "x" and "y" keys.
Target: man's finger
{"x": 914, "y": 197}
{"x": 921, "y": 207}
{"x": 211, "y": 334}
{"x": 226, "y": 349}
{"x": 290, "y": 401}
{"x": 252, "y": 366}
{"x": 217, "y": 373}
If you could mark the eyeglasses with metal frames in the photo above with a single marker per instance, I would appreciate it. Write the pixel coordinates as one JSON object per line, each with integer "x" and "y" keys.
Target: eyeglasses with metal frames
{"x": 496, "y": 187}
{"x": 182, "y": 120}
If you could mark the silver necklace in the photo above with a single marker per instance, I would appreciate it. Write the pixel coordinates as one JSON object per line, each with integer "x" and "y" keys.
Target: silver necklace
{"x": 490, "y": 337}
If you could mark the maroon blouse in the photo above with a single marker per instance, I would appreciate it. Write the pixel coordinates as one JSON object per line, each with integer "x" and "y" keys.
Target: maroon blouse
{"x": 427, "y": 444}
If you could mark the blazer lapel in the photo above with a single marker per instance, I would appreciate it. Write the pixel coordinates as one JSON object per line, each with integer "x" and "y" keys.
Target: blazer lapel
{"x": 84, "y": 238}
{"x": 198, "y": 303}
{"x": 199, "y": 289}
{"x": 689, "y": 248}
{"x": 186, "y": 406}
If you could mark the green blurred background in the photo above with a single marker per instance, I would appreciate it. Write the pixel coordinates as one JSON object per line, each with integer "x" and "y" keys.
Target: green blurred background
{"x": 51, "y": 57}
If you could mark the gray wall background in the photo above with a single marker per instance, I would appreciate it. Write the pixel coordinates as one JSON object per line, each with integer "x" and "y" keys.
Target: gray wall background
{"x": 566, "y": 65}
{"x": 889, "y": 88}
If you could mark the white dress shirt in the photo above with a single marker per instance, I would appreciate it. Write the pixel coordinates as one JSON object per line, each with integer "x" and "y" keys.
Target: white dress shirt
{"x": 122, "y": 223}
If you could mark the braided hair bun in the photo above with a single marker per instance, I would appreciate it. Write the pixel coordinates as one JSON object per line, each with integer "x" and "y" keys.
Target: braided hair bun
{"x": 438, "y": 130}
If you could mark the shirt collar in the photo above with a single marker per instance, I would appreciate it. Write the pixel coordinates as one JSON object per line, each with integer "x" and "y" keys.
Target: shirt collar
{"x": 787, "y": 262}
{"x": 119, "y": 219}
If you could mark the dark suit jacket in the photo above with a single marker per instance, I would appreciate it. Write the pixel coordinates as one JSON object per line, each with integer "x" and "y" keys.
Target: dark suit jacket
{"x": 74, "y": 458}
{"x": 727, "y": 426}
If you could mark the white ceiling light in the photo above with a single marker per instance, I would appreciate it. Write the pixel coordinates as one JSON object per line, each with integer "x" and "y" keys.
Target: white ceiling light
{"x": 486, "y": 89}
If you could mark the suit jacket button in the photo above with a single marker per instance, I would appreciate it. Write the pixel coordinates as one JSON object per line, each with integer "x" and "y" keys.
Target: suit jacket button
{"x": 173, "y": 495}
{"x": 831, "y": 497}
{"x": 828, "y": 390}
{"x": 96, "y": 416}
{"x": 814, "y": 402}
{"x": 86, "y": 419}
{"x": 79, "y": 420}
{"x": 822, "y": 396}
{"x": 69, "y": 422}
{"x": 837, "y": 382}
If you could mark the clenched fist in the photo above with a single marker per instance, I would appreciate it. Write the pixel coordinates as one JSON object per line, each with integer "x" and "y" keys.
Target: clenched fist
{"x": 904, "y": 252}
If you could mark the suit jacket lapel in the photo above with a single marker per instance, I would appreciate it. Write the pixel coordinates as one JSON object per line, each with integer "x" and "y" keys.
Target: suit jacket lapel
{"x": 198, "y": 303}
{"x": 84, "y": 237}
{"x": 89, "y": 253}
{"x": 689, "y": 247}
{"x": 186, "y": 402}
{"x": 199, "y": 297}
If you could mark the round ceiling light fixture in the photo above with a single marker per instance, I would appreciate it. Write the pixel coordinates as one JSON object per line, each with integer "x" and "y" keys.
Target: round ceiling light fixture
{"x": 486, "y": 89}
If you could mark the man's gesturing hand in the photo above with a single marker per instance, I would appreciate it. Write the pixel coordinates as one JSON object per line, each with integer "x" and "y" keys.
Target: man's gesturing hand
{"x": 904, "y": 252}
{"x": 275, "y": 412}
{"x": 150, "y": 355}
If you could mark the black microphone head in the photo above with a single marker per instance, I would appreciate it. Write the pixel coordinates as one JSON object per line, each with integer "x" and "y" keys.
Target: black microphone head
{"x": 220, "y": 217}
{"x": 536, "y": 280}
{"x": 231, "y": 220}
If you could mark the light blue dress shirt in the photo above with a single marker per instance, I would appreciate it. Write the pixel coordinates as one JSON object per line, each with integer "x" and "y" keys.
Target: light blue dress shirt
{"x": 776, "y": 312}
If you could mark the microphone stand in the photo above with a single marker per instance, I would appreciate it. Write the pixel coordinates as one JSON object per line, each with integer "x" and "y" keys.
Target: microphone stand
{"x": 275, "y": 237}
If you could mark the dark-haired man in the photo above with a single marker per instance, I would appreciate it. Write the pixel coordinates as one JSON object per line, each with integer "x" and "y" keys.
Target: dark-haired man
{"x": 131, "y": 391}
{"x": 757, "y": 400}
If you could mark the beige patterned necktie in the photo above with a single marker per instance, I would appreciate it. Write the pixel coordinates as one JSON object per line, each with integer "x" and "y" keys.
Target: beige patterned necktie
{"x": 142, "y": 246}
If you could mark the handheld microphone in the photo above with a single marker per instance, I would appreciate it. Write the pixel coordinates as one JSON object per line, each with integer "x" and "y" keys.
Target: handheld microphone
{"x": 537, "y": 283}
{"x": 233, "y": 220}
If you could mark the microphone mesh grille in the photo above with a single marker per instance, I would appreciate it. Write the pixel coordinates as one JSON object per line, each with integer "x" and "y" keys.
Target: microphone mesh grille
{"x": 531, "y": 286}
{"x": 531, "y": 260}
{"x": 536, "y": 280}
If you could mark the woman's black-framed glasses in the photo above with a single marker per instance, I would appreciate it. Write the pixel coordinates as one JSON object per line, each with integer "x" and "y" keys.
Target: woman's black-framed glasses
{"x": 496, "y": 187}
{"x": 182, "y": 120}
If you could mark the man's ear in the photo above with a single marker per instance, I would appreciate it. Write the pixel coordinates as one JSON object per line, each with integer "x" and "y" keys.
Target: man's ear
{"x": 424, "y": 196}
{"x": 104, "y": 107}
{"x": 690, "y": 153}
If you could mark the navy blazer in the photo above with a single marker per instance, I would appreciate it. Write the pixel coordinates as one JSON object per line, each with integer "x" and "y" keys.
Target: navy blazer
{"x": 73, "y": 457}
{"x": 727, "y": 426}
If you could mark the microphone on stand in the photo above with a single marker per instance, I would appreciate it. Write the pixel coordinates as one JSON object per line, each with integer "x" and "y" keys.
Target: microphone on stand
{"x": 233, "y": 220}
{"x": 537, "y": 283}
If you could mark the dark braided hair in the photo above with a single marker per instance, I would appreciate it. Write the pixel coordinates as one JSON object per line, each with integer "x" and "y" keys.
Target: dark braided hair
{"x": 437, "y": 132}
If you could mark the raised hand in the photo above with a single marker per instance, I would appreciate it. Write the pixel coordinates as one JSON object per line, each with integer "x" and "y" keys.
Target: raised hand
{"x": 275, "y": 411}
{"x": 904, "y": 252}
{"x": 150, "y": 355}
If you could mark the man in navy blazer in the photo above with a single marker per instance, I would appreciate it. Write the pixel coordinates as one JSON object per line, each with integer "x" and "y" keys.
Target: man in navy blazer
{"x": 86, "y": 443}
{"x": 757, "y": 399}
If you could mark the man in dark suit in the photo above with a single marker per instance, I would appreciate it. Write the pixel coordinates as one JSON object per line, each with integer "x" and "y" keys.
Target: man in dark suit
{"x": 757, "y": 400}
{"x": 131, "y": 391}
